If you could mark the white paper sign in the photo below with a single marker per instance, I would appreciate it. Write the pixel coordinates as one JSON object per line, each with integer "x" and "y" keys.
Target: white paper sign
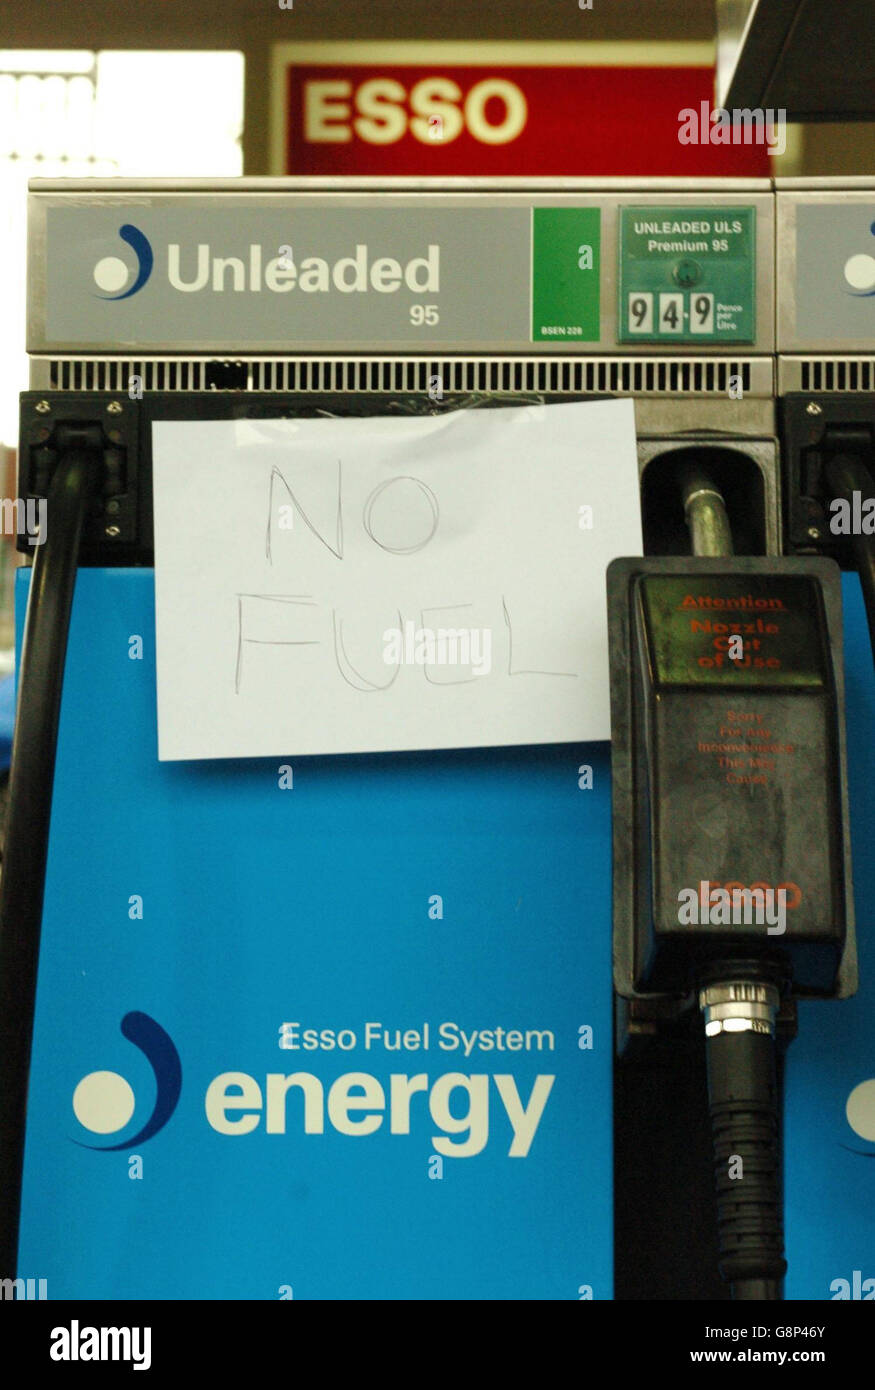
{"x": 344, "y": 585}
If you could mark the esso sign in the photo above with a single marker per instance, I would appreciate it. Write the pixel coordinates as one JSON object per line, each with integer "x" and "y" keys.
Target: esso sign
{"x": 381, "y": 111}
{"x": 793, "y": 891}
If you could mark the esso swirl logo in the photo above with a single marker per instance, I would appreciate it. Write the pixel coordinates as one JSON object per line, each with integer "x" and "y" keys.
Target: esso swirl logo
{"x": 860, "y": 273}
{"x": 104, "y": 1102}
{"x": 114, "y": 277}
{"x": 860, "y": 1110}
{"x": 381, "y": 111}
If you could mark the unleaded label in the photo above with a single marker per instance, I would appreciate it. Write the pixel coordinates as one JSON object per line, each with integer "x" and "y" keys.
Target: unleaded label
{"x": 687, "y": 275}
{"x": 280, "y": 277}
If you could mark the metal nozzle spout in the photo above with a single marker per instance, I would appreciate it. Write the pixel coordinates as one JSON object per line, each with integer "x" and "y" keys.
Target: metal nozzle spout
{"x": 706, "y": 516}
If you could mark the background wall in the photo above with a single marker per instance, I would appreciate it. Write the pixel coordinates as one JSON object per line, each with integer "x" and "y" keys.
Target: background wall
{"x": 252, "y": 25}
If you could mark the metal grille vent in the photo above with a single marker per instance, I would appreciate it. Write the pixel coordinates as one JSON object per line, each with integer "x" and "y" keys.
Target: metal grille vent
{"x": 833, "y": 374}
{"x": 558, "y": 375}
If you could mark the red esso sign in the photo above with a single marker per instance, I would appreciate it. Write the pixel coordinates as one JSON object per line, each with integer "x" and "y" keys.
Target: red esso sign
{"x": 428, "y": 115}
{"x": 381, "y": 111}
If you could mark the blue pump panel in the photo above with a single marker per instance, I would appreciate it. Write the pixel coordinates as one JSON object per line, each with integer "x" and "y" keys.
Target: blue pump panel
{"x": 193, "y": 909}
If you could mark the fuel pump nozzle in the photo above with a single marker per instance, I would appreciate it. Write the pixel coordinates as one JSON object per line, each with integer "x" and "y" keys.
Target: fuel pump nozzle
{"x": 740, "y": 1016}
{"x": 731, "y": 847}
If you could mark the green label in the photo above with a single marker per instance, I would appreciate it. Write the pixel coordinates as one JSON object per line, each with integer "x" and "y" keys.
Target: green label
{"x": 565, "y": 274}
{"x": 687, "y": 275}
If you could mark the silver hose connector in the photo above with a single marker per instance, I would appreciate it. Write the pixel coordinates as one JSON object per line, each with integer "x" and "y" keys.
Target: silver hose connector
{"x": 739, "y": 1006}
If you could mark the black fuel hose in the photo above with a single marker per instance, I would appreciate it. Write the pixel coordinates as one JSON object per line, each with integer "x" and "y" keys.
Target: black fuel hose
{"x": 846, "y": 474}
{"x": 31, "y": 779}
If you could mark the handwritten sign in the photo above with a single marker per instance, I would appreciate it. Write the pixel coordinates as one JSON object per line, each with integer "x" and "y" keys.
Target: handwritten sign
{"x": 343, "y": 585}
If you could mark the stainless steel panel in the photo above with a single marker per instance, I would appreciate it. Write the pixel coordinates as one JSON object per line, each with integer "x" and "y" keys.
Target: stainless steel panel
{"x": 408, "y": 193}
{"x": 792, "y": 195}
